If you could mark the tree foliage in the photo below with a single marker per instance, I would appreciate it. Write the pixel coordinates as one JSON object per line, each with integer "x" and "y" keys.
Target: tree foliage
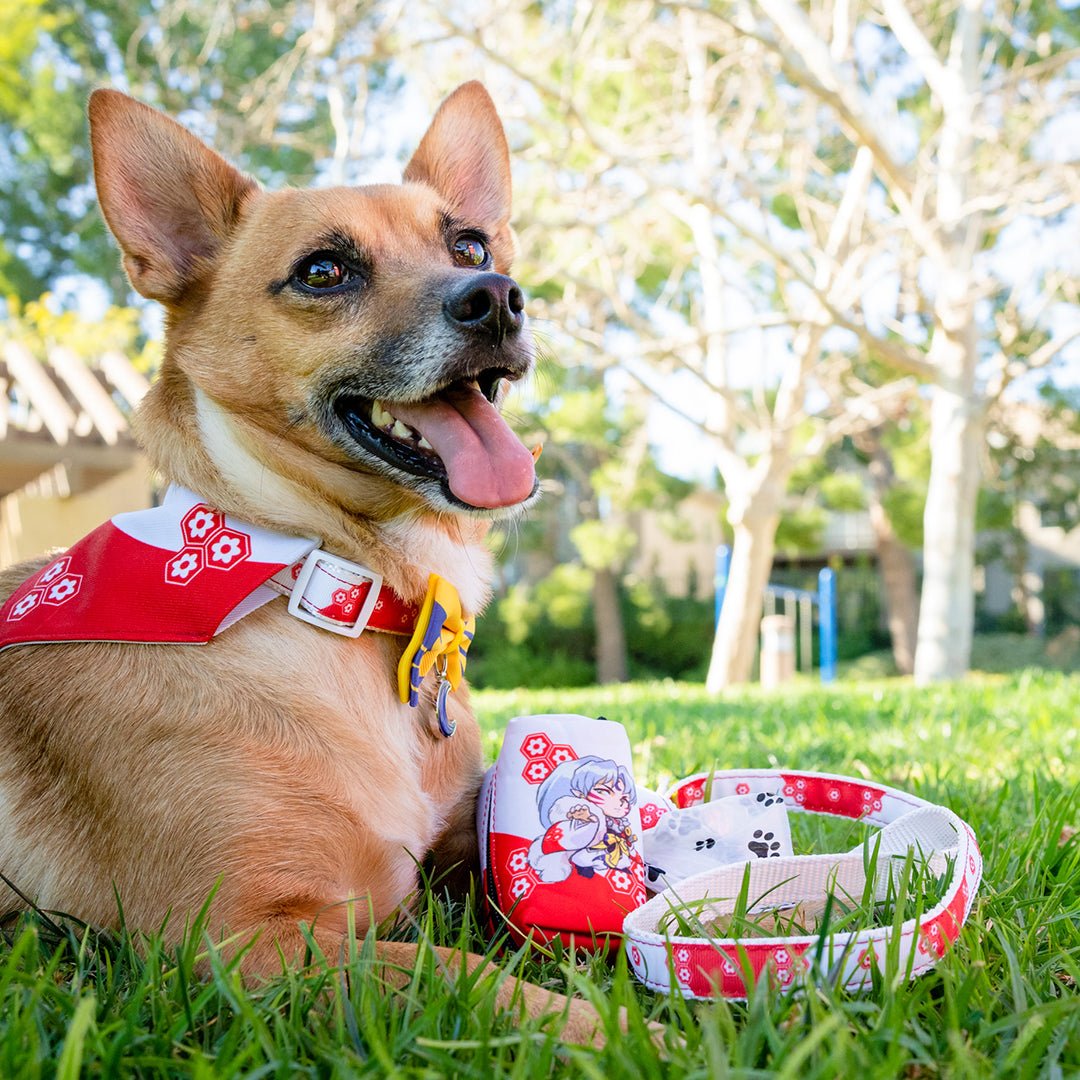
{"x": 273, "y": 87}
{"x": 772, "y": 216}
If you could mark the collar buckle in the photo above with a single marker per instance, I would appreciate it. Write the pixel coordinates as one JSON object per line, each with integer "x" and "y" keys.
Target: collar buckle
{"x": 329, "y": 592}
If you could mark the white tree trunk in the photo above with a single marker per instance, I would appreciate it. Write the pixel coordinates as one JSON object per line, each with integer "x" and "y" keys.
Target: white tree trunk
{"x": 947, "y": 609}
{"x": 754, "y": 522}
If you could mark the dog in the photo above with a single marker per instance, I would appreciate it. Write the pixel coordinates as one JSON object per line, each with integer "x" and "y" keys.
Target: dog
{"x": 333, "y": 368}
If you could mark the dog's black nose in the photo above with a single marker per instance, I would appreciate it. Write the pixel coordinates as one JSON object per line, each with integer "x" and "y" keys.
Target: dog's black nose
{"x": 487, "y": 303}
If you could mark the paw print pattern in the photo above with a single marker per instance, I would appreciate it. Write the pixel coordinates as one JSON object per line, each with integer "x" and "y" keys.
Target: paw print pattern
{"x": 769, "y": 798}
{"x": 764, "y": 846}
{"x": 707, "y": 844}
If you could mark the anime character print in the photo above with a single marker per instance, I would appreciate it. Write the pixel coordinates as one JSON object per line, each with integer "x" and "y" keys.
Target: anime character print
{"x": 584, "y": 806}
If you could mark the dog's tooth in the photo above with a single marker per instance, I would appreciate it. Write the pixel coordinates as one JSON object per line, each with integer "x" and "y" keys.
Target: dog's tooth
{"x": 379, "y": 416}
{"x": 401, "y": 431}
{"x": 424, "y": 444}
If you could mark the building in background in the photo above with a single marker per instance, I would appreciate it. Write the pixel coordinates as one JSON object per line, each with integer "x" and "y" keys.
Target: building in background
{"x": 68, "y": 461}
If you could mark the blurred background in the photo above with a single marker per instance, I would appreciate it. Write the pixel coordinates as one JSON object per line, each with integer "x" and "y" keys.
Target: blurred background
{"x": 804, "y": 278}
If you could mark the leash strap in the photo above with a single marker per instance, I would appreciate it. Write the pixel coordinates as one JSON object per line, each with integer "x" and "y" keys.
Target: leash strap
{"x": 704, "y": 966}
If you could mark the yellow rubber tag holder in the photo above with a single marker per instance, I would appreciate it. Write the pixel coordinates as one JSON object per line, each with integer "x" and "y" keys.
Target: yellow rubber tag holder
{"x": 442, "y": 631}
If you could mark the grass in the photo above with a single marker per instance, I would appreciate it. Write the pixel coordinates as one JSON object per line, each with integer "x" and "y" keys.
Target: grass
{"x": 1002, "y": 751}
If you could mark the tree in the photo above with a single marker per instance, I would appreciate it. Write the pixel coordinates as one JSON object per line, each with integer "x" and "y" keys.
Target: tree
{"x": 596, "y": 455}
{"x": 670, "y": 263}
{"x": 880, "y": 471}
{"x": 1035, "y": 482}
{"x": 896, "y": 563}
{"x": 980, "y": 101}
{"x": 272, "y": 86}
{"x": 48, "y": 222}
{"x": 760, "y": 202}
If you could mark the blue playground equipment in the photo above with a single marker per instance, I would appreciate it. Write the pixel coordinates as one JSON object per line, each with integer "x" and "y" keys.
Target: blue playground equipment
{"x": 799, "y": 603}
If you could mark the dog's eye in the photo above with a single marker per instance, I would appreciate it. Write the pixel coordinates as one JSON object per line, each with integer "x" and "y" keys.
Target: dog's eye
{"x": 322, "y": 272}
{"x": 470, "y": 251}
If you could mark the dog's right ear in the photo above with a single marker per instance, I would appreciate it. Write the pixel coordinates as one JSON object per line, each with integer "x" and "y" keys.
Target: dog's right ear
{"x": 464, "y": 157}
{"x": 170, "y": 201}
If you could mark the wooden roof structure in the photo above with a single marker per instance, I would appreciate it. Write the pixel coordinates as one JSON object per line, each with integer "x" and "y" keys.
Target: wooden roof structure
{"x": 63, "y": 413}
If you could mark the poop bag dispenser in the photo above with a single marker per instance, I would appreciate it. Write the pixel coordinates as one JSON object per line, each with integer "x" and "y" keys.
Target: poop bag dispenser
{"x": 560, "y": 831}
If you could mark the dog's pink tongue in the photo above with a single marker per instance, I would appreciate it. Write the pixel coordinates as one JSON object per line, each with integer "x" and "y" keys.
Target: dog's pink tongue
{"x": 486, "y": 463}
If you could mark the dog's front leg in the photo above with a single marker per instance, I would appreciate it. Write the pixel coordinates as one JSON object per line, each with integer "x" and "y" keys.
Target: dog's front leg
{"x": 396, "y": 964}
{"x": 453, "y": 862}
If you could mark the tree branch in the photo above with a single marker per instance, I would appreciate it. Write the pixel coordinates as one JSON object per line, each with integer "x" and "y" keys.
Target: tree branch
{"x": 942, "y": 82}
{"x": 732, "y": 465}
{"x": 858, "y": 414}
{"x": 897, "y": 355}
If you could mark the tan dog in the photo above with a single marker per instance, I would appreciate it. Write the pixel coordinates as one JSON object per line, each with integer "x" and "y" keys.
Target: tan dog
{"x": 332, "y": 362}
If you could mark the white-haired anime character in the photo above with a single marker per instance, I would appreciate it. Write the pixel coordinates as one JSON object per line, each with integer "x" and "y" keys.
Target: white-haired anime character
{"x": 584, "y": 805}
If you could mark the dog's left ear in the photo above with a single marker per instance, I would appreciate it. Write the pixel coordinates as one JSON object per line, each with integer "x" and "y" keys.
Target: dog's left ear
{"x": 170, "y": 201}
{"x": 464, "y": 157}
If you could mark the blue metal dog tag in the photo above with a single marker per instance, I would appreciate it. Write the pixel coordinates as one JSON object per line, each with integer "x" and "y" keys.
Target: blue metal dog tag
{"x": 446, "y": 725}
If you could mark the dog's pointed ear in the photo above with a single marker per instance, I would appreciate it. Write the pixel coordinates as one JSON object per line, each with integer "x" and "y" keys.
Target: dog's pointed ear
{"x": 464, "y": 157}
{"x": 170, "y": 201}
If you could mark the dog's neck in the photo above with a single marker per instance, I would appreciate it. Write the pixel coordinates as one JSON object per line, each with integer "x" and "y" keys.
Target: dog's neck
{"x": 239, "y": 467}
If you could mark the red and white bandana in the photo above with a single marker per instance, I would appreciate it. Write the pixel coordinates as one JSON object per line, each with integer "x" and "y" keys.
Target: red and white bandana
{"x": 182, "y": 572}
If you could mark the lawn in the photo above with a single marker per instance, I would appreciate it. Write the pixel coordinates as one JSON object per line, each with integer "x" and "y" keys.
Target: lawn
{"x": 1003, "y": 752}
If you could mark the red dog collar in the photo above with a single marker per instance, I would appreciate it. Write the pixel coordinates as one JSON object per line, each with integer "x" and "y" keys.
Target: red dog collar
{"x": 343, "y": 597}
{"x": 183, "y": 572}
